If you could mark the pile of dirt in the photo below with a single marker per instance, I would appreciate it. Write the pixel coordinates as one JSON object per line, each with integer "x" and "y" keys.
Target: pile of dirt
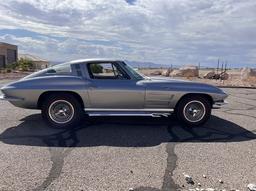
{"x": 186, "y": 71}
{"x": 248, "y": 73}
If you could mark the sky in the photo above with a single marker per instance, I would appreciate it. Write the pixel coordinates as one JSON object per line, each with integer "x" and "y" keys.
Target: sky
{"x": 178, "y": 32}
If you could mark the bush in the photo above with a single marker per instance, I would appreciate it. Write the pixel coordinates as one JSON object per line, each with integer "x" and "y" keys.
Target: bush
{"x": 25, "y": 64}
{"x": 96, "y": 68}
{"x": 22, "y": 64}
{"x": 12, "y": 66}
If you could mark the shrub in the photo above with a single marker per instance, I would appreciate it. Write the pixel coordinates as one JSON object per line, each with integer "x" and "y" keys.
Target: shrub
{"x": 96, "y": 68}
{"x": 12, "y": 66}
{"x": 25, "y": 64}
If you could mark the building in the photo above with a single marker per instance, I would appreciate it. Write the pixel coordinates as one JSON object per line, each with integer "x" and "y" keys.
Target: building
{"x": 38, "y": 63}
{"x": 8, "y": 54}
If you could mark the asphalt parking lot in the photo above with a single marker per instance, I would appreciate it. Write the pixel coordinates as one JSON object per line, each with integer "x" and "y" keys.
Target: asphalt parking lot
{"x": 119, "y": 153}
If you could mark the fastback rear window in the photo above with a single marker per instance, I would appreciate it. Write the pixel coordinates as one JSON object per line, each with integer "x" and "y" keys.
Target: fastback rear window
{"x": 62, "y": 69}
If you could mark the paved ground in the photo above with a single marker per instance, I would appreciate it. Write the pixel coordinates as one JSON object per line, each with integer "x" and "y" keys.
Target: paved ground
{"x": 121, "y": 153}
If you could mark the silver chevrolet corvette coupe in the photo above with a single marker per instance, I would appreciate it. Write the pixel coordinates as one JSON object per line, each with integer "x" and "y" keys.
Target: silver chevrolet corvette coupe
{"x": 102, "y": 87}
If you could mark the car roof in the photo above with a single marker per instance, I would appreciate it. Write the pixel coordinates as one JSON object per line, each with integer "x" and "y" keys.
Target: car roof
{"x": 93, "y": 60}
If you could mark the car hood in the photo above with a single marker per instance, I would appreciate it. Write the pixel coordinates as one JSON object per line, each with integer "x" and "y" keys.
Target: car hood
{"x": 180, "y": 85}
{"x": 165, "y": 79}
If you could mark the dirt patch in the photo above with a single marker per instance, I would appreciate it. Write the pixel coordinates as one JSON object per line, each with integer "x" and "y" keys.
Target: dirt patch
{"x": 13, "y": 75}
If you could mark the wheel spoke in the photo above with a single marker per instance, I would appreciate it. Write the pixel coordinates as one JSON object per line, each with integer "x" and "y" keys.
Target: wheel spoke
{"x": 194, "y": 111}
{"x": 61, "y": 111}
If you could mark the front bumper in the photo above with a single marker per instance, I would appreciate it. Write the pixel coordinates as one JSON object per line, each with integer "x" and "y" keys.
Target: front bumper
{"x": 219, "y": 104}
{"x": 9, "y": 98}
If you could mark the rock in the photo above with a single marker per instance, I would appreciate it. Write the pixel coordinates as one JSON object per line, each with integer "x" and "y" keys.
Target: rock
{"x": 156, "y": 73}
{"x": 176, "y": 73}
{"x": 224, "y": 76}
{"x": 188, "y": 179}
{"x": 199, "y": 184}
{"x": 204, "y": 175}
{"x": 251, "y": 187}
{"x": 246, "y": 73}
{"x": 210, "y": 189}
{"x": 166, "y": 72}
{"x": 131, "y": 189}
{"x": 189, "y": 71}
{"x": 209, "y": 75}
{"x": 220, "y": 181}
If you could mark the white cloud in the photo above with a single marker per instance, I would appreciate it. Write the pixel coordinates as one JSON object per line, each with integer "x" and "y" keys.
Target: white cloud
{"x": 163, "y": 31}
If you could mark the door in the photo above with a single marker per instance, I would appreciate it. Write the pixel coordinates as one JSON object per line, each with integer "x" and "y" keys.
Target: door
{"x": 2, "y": 61}
{"x": 111, "y": 88}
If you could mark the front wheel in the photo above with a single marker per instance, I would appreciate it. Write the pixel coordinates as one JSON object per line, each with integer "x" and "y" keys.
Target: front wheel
{"x": 193, "y": 111}
{"x": 62, "y": 111}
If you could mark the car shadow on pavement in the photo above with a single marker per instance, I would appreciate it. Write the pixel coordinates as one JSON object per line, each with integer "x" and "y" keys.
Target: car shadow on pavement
{"x": 122, "y": 132}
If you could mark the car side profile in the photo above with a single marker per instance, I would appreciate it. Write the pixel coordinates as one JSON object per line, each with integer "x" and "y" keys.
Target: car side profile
{"x": 103, "y": 87}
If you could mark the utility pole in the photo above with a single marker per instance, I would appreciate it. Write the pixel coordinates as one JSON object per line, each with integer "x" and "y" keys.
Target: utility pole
{"x": 218, "y": 66}
{"x": 217, "y": 74}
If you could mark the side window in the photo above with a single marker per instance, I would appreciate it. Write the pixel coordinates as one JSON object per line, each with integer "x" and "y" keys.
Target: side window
{"x": 105, "y": 71}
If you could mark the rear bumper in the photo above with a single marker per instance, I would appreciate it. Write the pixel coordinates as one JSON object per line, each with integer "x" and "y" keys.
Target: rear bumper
{"x": 8, "y": 98}
{"x": 219, "y": 104}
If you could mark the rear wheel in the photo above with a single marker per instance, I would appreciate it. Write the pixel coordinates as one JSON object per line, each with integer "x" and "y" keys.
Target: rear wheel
{"x": 193, "y": 111}
{"x": 62, "y": 111}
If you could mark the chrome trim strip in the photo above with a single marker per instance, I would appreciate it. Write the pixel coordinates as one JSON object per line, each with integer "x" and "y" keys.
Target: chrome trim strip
{"x": 219, "y": 104}
{"x": 128, "y": 110}
{"x": 5, "y": 98}
{"x": 120, "y": 114}
{"x": 129, "y": 114}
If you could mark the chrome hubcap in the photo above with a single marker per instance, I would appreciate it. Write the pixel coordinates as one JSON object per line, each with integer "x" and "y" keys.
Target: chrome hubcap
{"x": 194, "y": 111}
{"x": 61, "y": 111}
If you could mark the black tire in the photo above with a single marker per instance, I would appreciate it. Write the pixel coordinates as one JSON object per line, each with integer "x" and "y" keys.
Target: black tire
{"x": 193, "y": 105}
{"x": 62, "y": 111}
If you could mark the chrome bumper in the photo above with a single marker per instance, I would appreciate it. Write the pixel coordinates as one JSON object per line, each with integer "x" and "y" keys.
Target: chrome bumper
{"x": 219, "y": 104}
{"x": 8, "y": 98}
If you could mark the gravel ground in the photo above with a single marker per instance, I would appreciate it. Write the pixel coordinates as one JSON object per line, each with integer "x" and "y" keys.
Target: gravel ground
{"x": 118, "y": 153}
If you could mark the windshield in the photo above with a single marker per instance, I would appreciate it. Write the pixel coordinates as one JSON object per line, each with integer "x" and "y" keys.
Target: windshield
{"x": 134, "y": 72}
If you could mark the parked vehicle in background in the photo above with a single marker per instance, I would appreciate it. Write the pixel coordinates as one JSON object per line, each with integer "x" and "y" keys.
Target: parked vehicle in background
{"x": 102, "y": 87}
